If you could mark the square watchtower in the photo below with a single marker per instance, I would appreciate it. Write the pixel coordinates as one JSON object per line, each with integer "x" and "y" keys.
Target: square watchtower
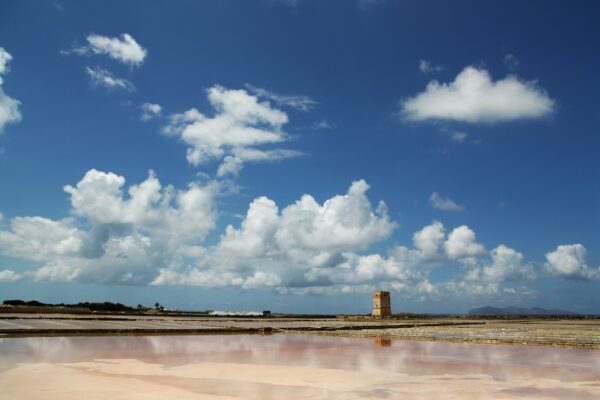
{"x": 381, "y": 304}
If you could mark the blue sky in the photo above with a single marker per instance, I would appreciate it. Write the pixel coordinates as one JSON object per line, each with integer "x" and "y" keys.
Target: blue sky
{"x": 473, "y": 122}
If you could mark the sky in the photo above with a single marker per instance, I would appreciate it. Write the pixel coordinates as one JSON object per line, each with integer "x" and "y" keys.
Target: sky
{"x": 298, "y": 155}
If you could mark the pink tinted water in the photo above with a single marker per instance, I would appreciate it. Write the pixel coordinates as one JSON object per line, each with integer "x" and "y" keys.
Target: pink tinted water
{"x": 416, "y": 359}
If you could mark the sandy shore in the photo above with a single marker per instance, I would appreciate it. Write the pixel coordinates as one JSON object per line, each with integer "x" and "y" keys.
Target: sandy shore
{"x": 132, "y": 379}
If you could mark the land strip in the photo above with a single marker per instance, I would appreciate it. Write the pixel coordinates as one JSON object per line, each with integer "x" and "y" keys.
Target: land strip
{"x": 572, "y": 333}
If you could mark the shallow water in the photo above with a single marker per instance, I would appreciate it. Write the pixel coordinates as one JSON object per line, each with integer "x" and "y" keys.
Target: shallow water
{"x": 289, "y": 366}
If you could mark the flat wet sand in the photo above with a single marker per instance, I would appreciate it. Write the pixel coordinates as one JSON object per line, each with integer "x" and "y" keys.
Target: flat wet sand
{"x": 290, "y": 367}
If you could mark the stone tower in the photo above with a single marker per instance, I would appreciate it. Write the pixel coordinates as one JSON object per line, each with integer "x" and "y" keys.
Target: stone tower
{"x": 381, "y": 304}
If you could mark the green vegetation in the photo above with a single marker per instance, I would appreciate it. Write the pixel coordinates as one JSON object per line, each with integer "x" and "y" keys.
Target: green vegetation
{"x": 106, "y": 306}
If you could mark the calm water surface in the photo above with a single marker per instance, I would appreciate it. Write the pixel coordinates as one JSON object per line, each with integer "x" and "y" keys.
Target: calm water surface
{"x": 322, "y": 367}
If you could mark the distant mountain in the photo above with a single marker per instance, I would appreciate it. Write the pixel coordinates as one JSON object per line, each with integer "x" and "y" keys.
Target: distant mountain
{"x": 489, "y": 310}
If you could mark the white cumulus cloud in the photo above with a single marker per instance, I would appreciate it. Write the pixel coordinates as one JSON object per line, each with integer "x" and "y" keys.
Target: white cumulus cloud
{"x": 9, "y": 275}
{"x": 104, "y": 78}
{"x": 507, "y": 264}
{"x": 124, "y": 49}
{"x": 149, "y": 234}
{"x": 474, "y": 97}
{"x": 234, "y": 162}
{"x": 150, "y": 111}
{"x": 241, "y": 125}
{"x": 307, "y": 232}
{"x": 40, "y": 239}
{"x": 445, "y": 204}
{"x": 342, "y": 223}
{"x": 10, "y": 109}
{"x": 255, "y": 237}
{"x": 568, "y": 261}
{"x": 186, "y": 215}
{"x": 429, "y": 239}
{"x": 299, "y": 102}
{"x": 5, "y": 58}
{"x": 462, "y": 244}
{"x": 114, "y": 237}
{"x": 302, "y": 245}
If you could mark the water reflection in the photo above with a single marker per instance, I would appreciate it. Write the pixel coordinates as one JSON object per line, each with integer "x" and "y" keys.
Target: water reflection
{"x": 320, "y": 351}
{"x": 382, "y": 342}
{"x": 417, "y": 360}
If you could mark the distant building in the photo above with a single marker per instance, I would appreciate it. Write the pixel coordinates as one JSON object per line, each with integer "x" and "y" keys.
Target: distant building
{"x": 381, "y": 304}
{"x": 266, "y": 313}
